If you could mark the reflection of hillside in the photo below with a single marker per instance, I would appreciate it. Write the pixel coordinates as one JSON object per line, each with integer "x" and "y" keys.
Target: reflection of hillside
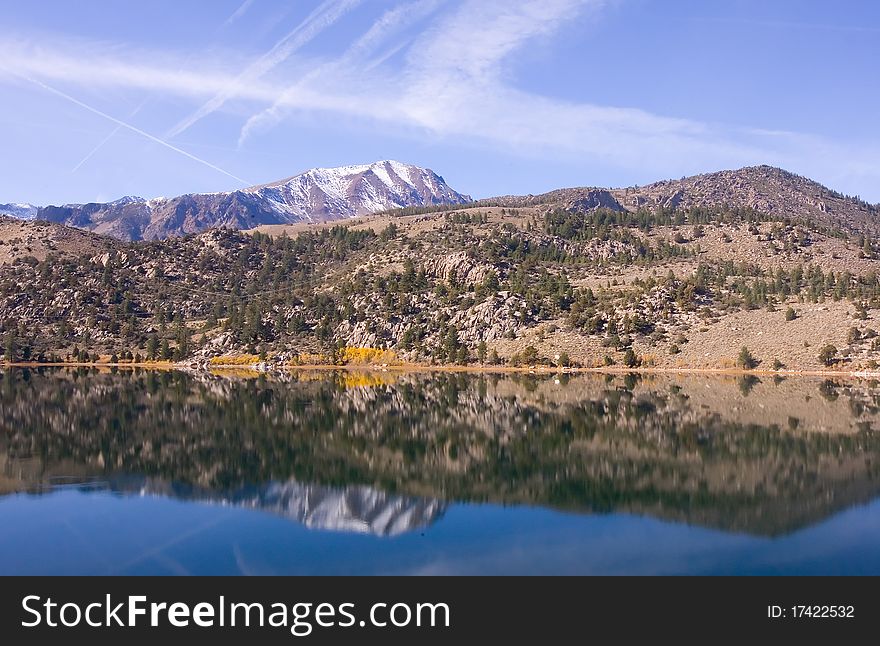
{"x": 764, "y": 458}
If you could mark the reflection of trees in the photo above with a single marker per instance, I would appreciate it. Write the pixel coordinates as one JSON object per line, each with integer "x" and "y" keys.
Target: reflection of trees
{"x": 448, "y": 436}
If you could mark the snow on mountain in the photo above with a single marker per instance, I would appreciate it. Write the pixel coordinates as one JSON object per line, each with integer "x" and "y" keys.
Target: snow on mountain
{"x": 317, "y": 195}
{"x": 353, "y": 509}
{"x": 349, "y": 191}
{"x": 359, "y": 509}
{"x": 20, "y": 211}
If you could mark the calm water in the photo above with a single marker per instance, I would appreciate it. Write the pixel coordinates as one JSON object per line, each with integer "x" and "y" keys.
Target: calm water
{"x": 378, "y": 473}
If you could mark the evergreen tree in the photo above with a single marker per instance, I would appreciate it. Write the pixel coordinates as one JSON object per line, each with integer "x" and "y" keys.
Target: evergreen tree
{"x": 828, "y": 355}
{"x": 11, "y": 347}
{"x": 152, "y": 347}
{"x": 745, "y": 360}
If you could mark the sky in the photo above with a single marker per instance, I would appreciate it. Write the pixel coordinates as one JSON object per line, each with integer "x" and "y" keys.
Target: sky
{"x": 100, "y": 98}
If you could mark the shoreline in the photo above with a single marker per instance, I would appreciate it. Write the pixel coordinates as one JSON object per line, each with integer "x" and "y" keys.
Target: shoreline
{"x": 416, "y": 367}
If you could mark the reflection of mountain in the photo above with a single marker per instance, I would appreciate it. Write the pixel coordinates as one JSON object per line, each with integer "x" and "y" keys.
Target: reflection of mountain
{"x": 355, "y": 509}
{"x": 765, "y": 459}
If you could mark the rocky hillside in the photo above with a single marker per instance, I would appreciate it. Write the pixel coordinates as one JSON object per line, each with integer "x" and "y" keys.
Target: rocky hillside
{"x": 38, "y": 240}
{"x": 765, "y": 189}
{"x": 318, "y": 195}
{"x": 572, "y": 278}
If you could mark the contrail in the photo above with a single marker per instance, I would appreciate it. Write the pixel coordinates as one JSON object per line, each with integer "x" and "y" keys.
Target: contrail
{"x": 391, "y": 21}
{"x": 92, "y": 152}
{"x": 327, "y": 13}
{"x": 122, "y": 124}
{"x": 238, "y": 13}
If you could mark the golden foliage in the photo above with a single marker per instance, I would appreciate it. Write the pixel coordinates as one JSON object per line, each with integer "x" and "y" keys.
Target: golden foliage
{"x": 353, "y": 355}
{"x": 311, "y": 359}
{"x": 237, "y": 372}
{"x": 367, "y": 379}
{"x": 235, "y": 360}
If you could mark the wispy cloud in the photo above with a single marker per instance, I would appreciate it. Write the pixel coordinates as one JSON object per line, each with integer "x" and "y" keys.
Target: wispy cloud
{"x": 239, "y": 12}
{"x": 449, "y": 81}
{"x": 128, "y": 126}
{"x": 98, "y": 146}
{"x": 389, "y": 23}
{"x": 320, "y": 19}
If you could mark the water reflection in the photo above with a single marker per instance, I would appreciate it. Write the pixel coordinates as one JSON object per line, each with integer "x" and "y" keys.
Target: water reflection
{"x": 385, "y": 453}
{"x": 354, "y": 509}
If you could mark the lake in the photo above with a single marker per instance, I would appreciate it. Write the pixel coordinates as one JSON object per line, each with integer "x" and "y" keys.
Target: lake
{"x": 140, "y": 472}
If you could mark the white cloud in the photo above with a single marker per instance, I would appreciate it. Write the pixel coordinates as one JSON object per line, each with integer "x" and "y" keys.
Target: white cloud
{"x": 327, "y": 13}
{"x": 452, "y": 84}
{"x": 123, "y": 124}
{"x": 239, "y": 12}
{"x": 389, "y": 23}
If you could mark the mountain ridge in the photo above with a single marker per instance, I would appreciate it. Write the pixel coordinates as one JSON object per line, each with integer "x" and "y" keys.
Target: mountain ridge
{"x": 327, "y": 194}
{"x": 669, "y": 275}
{"x": 768, "y": 189}
{"x": 318, "y": 194}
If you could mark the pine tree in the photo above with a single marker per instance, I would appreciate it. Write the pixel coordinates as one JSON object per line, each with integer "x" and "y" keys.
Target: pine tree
{"x": 11, "y": 347}
{"x": 152, "y": 347}
{"x": 745, "y": 360}
{"x": 828, "y": 355}
{"x": 481, "y": 352}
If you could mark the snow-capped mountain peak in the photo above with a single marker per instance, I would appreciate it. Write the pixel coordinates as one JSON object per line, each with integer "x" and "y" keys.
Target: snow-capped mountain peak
{"x": 349, "y": 191}
{"x": 20, "y": 211}
{"x": 319, "y": 194}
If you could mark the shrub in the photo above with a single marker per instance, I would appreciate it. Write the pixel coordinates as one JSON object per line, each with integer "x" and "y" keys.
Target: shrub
{"x": 828, "y": 355}
{"x": 745, "y": 360}
{"x": 235, "y": 360}
{"x": 790, "y": 314}
{"x": 367, "y": 355}
{"x": 853, "y": 335}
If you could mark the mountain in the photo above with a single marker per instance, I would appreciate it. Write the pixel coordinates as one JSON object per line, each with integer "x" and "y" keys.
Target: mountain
{"x": 317, "y": 195}
{"x": 681, "y": 273}
{"x": 766, "y": 189}
{"x": 20, "y": 211}
{"x": 20, "y": 239}
{"x": 354, "y": 509}
{"x": 329, "y": 194}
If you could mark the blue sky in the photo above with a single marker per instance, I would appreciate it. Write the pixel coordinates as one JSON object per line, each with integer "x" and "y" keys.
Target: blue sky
{"x": 100, "y": 99}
